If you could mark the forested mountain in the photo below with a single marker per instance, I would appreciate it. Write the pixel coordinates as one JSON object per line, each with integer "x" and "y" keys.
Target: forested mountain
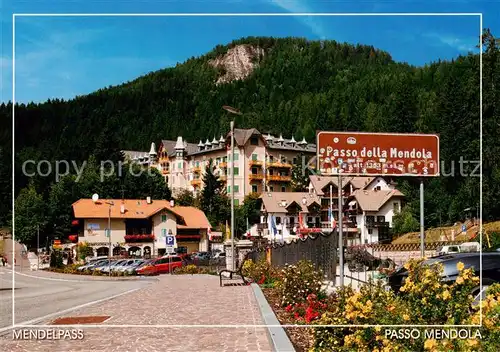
{"x": 296, "y": 87}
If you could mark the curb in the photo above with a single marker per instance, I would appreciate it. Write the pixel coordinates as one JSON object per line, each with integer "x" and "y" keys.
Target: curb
{"x": 85, "y": 278}
{"x": 278, "y": 339}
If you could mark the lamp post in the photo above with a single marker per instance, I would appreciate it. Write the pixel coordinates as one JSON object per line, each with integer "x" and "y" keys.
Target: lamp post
{"x": 237, "y": 112}
{"x": 109, "y": 233}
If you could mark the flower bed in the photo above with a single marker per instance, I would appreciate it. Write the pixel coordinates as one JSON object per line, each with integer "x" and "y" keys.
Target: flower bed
{"x": 424, "y": 300}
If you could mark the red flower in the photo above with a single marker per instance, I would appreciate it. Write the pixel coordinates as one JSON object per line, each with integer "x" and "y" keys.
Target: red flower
{"x": 288, "y": 308}
{"x": 262, "y": 280}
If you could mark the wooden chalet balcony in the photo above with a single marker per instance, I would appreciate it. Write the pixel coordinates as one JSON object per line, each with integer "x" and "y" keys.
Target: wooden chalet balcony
{"x": 223, "y": 178}
{"x": 196, "y": 169}
{"x": 255, "y": 163}
{"x": 165, "y": 171}
{"x": 279, "y": 178}
{"x": 255, "y": 177}
{"x": 196, "y": 182}
{"x": 275, "y": 164}
{"x": 372, "y": 224}
{"x": 223, "y": 164}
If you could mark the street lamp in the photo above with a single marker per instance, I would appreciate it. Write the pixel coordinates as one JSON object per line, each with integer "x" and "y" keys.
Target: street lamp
{"x": 237, "y": 112}
{"x": 110, "y": 203}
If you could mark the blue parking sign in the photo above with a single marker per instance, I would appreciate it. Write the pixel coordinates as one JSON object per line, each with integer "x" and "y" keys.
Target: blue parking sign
{"x": 170, "y": 240}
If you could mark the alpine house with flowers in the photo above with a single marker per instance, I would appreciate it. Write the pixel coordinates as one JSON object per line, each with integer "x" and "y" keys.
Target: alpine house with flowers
{"x": 139, "y": 227}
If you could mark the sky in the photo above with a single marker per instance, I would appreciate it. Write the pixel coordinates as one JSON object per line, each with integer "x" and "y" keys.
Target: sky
{"x": 63, "y": 57}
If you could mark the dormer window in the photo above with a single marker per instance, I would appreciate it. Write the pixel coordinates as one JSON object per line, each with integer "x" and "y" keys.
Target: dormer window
{"x": 254, "y": 141}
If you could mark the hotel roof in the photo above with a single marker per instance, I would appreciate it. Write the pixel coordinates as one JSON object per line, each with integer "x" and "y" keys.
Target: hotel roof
{"x": 187, "y": 217}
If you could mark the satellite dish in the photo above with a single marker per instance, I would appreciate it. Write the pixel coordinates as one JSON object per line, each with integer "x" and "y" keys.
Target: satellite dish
{"x": 95, "y": 197}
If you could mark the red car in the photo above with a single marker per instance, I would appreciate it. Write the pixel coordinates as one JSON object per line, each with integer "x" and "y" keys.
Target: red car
{"x": 160, "y": 266}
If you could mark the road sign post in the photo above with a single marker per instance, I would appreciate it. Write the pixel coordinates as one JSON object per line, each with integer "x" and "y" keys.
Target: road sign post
{"x": 379, "y": 154}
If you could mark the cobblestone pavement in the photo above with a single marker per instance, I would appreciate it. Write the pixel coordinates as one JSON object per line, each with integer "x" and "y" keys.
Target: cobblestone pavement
{"x": 173, "y": 300}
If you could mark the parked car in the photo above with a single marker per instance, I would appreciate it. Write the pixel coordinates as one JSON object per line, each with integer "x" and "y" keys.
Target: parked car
{"x": 125, "y": 264}
{"x": 162, "y": 265}
{"x": 101, "y": 265}
{"x": 131, "y": 268}
{"x": 112, "y": 267}
{"x": 490, "y": 270}
{"x": 91, "y": 264}
{"x": 448, "y": 250}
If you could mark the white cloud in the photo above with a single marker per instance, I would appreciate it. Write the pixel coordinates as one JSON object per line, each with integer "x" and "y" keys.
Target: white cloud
{"x": 302, "y": 7}
{"x": 464, "y": 44}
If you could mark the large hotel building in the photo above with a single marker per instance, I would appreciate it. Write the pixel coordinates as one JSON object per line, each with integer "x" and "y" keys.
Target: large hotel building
{"x": 262, "y": 163}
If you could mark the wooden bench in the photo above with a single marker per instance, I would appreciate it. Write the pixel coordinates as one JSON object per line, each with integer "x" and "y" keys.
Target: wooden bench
{"x": 235, "y": 274}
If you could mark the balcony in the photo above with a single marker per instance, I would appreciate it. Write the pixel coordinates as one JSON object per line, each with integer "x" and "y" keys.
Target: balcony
{"x": 196, "y": 182}
{"x": 139, "y": 238}
{"x": 255, "y": 177}
{"x": 276, "y": 164}
{"x": 255, "y": 163}
{"x": 196, "y": 169}
{"x": 279, "y": 178}
{"x": 223, "y": 164}
{"x": 372, "y": 224}
{"x": 165, "y": 171}
{"x": 223, "y": 178}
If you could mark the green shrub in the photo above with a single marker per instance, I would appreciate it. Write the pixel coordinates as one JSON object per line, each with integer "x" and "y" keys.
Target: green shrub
{"x": 299, "y": 281}
{"x": 261, "y": 272}
{"x": 188, "y": 269}
{"x": 56, "y": 259}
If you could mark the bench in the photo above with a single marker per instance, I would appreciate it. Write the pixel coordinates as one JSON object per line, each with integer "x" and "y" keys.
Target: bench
{"x": 235, "y": 274}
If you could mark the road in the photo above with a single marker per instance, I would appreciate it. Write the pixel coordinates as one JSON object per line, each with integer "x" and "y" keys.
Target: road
{"x": 39, "y": 294}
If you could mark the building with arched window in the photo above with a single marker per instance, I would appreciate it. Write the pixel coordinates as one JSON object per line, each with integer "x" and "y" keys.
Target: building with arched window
{"x": 139, "y": 227}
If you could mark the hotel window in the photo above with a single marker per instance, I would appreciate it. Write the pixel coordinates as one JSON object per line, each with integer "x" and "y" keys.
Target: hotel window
{"x": 164, "y": 232}
{"x": 254, "y": 157}
{"x": 197, "y": 164}
{"x": 254, "y": 141}
{"x": 254, "y": 189}
{"x": 236, "y": 189}
{"x": 396, "y": 207}
{"x": 236, "y": 157}
{"x": 381, "y": 218}
{"x": 254, "y": 171}
{"x": 283, "y": 189}
{"x": 228, "y": 189}
{"x": 163, "y": 218}
{"x": 271, "y": 158}
{"x": 236, "y": 171}
{"x": 278, "y": 220}
{"x": 295, "y": 161}
{"x": 271, "y": 188}
{"x": 236, "y": 202}
{"x": 370, "y": 231}
{"x": 179, "y": 166}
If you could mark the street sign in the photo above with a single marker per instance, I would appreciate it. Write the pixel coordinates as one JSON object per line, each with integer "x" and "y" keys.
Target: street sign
{"x": 170, "y": 240}
{"x": 377, "y": 154}
{"x": 170, "y": 243}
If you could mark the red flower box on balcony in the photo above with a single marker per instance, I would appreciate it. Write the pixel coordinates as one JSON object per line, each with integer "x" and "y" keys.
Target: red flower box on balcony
{"x": 73, "y": 238}
{"x": 75, "y": 223}
{"x": 139, "y": 238}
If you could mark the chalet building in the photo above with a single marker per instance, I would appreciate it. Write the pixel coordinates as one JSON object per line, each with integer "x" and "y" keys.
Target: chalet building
{"x": 139, "y": 226}
{"x": 369, "y": 204}
{"x": 262, "y": 163}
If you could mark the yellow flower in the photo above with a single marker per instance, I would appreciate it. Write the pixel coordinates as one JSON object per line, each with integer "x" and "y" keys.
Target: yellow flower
{"x": 378, "y": 328}
{"x": 430, "y": 344}
{"x": 406, "y": 317}
{"x": 460, "y": 266}
{"x": 446, "y": 295}
{"x": 460, "y": 281}
{"x": 472, "y": 343}
{"x": 424, "y": 300}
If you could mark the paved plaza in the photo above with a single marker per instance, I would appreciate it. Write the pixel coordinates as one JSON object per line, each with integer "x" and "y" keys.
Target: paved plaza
{"x": 172, "y": 300}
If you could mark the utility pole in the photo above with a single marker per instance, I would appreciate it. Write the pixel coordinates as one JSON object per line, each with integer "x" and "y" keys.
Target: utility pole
{"x": 422, "y": 233}
{"x": 233, "y": 259}
{"x": 38, "y": 247}
{"x": 341, "y": 235}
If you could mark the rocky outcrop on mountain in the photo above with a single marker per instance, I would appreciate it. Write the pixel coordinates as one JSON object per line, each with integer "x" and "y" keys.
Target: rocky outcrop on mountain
{"x": 238, "y": 63}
